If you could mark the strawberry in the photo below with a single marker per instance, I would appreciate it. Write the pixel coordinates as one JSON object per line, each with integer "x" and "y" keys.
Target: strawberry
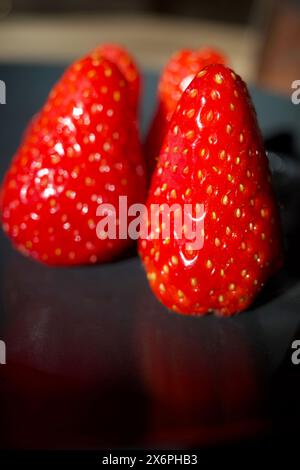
{"x": 125, "y": 62}
{"x": 213, "y": 154}
{"x": 80, "y": 150}
{"x": 176, "y": 76}
{"x": 127, "y": 66}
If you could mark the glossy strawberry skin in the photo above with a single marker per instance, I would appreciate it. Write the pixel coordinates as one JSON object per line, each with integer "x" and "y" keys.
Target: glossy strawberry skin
{"x": 127, "y": 65}
{"x": 175, "y": 78}
{"x": 81, "y": 149}
{"x": 213, "y": 154}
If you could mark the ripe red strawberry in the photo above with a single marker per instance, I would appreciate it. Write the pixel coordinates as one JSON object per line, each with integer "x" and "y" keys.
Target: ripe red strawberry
{"x": 213, "y": 155}
{"x": 125, "y": 62}
{"x": 176, "y": 76}
{"x": 127, "y": 66}
{"x": 82, "y": 149}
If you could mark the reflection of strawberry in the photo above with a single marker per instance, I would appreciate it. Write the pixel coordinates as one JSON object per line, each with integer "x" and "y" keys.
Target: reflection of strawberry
{"x": 213, "y": 155}
{"x": 176, "y": 76}
{"x": 70, "y": 365}
{"x": 201, "y": 391}
{"x": 127, "y": 66}
{"x": 82, "y": 149}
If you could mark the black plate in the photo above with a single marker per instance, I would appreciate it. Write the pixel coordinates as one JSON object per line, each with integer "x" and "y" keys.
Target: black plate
{"x": 94, "y": 361}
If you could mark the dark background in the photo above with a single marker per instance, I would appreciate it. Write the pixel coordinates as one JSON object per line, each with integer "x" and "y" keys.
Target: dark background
{"x": 232, "y": 11}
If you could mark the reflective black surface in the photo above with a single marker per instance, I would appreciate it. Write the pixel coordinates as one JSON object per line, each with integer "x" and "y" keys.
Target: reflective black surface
{"x": 94, "y": 361}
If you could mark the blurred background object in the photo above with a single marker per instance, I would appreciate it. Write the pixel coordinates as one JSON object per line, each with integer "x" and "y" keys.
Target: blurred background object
{"x": 280, "y": 60}
{"x": 261, "y": 37}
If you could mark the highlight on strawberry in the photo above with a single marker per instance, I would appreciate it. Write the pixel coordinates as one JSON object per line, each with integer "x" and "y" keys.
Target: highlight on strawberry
{"x": 82, "y": 149}
{"x": 213, "y": 154}
{"x": 175, "y": 78}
